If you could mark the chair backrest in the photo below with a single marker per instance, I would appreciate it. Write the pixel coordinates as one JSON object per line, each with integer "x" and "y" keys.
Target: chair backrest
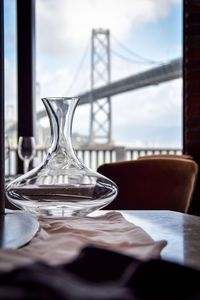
{"x": 154, "y": 156}
{"x": 164, "y": 183}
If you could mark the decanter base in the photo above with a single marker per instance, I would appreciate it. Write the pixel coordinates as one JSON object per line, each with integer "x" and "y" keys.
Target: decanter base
{"x": 54, "y": 209}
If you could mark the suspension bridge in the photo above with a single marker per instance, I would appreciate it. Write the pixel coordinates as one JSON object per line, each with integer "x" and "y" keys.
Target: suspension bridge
{"x": 169, "y": 71}
{"x": 103, "y": 88}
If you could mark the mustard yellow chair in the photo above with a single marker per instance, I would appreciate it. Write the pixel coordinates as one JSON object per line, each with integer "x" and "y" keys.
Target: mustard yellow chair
{"x": 162, "y": 183}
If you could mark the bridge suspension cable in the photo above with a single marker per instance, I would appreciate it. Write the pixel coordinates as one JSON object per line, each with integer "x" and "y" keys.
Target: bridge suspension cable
{"x": 137, "y": 57}
{"x": 80, "y": 65}
{"x": 85, "y": 83}
{"x": 129, "y": 59}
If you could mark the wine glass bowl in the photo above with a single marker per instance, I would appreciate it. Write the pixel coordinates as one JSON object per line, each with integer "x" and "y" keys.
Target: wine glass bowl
{"x": 26, "y": 150}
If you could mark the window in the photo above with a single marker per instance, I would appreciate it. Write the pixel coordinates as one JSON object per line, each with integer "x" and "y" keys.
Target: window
{"x": 143, "y": 35}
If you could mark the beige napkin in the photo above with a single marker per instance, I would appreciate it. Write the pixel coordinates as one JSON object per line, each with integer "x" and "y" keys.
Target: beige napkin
{"x": 60, "y": 240}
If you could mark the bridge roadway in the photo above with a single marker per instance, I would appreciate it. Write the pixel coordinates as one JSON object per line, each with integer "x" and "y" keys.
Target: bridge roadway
{"x": 162, "y": 73}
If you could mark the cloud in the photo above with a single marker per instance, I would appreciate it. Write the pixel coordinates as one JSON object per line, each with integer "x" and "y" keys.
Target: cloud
{"x": 64, "y": 25}
{"x": 150, "y": 116}
{"x": 10, "y": 81}
{"x": 148, "y": 136}
{"x": 156, "y": 105}
{"x": 142, "y": 118}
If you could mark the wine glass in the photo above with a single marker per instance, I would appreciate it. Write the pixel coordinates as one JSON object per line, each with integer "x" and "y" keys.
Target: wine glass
{"x": 26, "y": 150}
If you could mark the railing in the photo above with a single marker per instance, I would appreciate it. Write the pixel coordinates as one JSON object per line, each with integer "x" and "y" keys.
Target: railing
{"x": 92, "y": 157}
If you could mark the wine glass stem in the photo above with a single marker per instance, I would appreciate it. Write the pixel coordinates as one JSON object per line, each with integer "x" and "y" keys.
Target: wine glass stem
{"x": 26, "y": 165}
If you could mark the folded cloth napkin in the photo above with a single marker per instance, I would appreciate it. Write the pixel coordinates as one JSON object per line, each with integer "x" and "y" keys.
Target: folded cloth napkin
{"x": 60, "y": 240}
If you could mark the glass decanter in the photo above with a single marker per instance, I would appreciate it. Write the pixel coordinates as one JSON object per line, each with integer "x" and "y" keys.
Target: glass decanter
{"x": 61, "y": 185}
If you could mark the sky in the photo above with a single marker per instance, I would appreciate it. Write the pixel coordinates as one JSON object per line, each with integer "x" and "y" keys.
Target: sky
{"x": 147, "y": 117}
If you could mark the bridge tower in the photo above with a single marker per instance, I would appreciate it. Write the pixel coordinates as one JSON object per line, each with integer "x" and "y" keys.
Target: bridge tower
{"x": 100, "y": 114}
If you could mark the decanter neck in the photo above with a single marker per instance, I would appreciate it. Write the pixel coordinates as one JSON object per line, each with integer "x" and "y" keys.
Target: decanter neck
{"x": 61, "y": 112}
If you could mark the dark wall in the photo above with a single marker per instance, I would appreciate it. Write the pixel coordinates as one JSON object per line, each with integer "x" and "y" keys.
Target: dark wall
{"x": 2, "y": 200}
{"x": 191, "y": 89}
